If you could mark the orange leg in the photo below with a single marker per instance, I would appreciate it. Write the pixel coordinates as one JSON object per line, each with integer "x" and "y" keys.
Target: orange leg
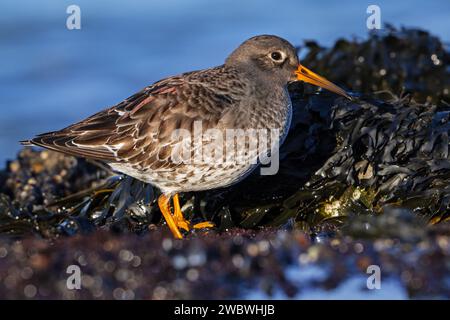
{"x": 183, "y": 223}
{"x": 163, "y": 203}
{"x": 177, "y": 220}
{"x": 178, "y": 215}
{"x": 205, "y": 224}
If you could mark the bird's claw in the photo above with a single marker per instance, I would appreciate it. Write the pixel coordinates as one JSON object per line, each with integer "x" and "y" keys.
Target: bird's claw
{"x": 176, "y": 221}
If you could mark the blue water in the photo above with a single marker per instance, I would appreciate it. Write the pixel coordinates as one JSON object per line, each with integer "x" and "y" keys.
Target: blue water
{"x": 51, "y": 77}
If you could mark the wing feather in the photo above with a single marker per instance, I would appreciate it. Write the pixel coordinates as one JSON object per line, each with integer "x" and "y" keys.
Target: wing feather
{"x": 139, "y": 128}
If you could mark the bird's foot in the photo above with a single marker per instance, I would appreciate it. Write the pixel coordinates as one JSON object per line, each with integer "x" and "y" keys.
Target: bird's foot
{"x": 163, "y": 203}
{"x": 182, "y": 222}
{"x": 176, "y": 221}
{"x": 178, "y": 215}
{"x": 204, "y": 225}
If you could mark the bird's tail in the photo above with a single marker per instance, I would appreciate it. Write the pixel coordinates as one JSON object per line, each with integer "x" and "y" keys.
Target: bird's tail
{"x": 26, "y": 143}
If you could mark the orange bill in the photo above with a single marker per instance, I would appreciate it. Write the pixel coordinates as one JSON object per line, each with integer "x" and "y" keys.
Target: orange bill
{"x": 306, "y": 75}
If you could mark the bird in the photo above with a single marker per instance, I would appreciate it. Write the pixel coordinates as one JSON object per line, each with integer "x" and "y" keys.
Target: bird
{"x": 136, "y": 136}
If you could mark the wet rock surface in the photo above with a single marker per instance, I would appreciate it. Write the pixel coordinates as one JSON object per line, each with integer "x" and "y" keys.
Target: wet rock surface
{"x": 259, "y": 264}
{"x": 362, "y": 182}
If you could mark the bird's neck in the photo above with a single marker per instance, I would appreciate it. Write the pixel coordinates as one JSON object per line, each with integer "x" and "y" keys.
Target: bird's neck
{"x": 274, "y": 105}
{"x": 268, "y": 103}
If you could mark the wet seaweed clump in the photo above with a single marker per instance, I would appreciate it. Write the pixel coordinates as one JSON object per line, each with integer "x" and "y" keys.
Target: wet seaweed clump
{"x": 405, "y": 61}
{"x": 51, "y": 194}
{"x": 36, "y": 179}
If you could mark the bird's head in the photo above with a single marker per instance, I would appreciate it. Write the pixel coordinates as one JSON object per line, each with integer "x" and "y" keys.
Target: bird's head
{"x": 277, "y": 59}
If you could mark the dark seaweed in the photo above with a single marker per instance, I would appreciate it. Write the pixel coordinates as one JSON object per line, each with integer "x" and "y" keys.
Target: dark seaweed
{"x": 406, "y": 61}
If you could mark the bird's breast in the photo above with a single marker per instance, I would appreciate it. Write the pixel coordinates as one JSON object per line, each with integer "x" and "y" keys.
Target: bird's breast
{"x": 274, "y": 111}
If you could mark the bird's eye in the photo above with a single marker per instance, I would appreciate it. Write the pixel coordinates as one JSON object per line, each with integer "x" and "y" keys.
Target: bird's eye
{"x": 276, "y": 56}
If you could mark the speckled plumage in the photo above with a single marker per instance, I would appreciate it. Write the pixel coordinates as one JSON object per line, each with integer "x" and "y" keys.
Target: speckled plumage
{"x": 135, "y": 137}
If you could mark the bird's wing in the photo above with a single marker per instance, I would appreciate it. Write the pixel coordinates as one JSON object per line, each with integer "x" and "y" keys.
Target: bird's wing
{"x": 139, "y": 129}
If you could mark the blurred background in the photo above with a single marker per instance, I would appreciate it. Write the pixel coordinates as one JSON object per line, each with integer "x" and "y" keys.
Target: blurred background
{"x": 51, "y": 76}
